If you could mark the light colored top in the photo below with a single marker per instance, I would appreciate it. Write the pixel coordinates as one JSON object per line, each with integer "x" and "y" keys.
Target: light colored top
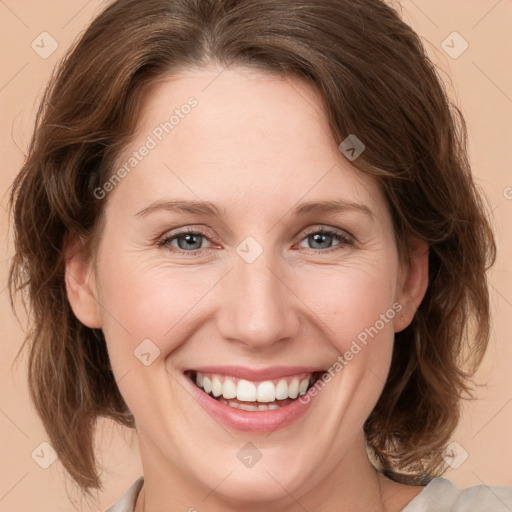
{"x": 439, "y": 495}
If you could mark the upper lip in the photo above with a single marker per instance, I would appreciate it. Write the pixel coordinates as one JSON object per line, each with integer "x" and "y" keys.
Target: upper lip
{"x": 257, "y": 374}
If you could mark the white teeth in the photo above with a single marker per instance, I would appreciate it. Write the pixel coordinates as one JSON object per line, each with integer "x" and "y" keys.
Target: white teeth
{"x": 303, "y": 387}
{"x": 228, "y": 389}
{"x": 207, "y": 384}
{"x": 247, "y": 407}
{"x": 266, "y": 392}
{"x": 281, "y": 390}
{"x": 246, "y": 391}
{"x": 216, "y": 386}
{"x": 293, "y": 389}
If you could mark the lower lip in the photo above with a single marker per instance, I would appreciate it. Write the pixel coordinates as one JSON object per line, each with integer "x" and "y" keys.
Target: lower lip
{"x": 253, "y": 421}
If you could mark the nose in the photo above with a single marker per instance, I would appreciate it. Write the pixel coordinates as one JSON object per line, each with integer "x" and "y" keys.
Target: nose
{"x": 258, "y": 306}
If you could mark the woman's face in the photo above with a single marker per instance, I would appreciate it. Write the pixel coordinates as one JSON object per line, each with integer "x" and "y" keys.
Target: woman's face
{"x": 254, "y": 296}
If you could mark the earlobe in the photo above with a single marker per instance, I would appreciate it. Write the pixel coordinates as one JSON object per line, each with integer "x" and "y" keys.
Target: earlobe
{"x": 80, "y": 284}
{"x": 413, "y": 284}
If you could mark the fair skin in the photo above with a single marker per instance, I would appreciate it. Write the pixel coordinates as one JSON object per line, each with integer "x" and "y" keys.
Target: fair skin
{"x": 255, "y": 146}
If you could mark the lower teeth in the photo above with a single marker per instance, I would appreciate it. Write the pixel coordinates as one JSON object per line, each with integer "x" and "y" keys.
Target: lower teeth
{"x": 253, "y": 406}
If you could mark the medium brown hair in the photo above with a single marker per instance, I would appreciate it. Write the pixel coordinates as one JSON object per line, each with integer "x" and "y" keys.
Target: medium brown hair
{"x": 376, "y": 82}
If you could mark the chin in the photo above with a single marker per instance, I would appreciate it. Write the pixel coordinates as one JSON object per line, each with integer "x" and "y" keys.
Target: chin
{"x": 270, "y": 479}
{"x": 249, "y": 488}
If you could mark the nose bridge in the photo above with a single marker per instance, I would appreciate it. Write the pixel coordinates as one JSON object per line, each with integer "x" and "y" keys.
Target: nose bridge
{"x": 258, "y": 307}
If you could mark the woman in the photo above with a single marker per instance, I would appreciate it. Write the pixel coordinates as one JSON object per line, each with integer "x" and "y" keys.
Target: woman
{"x": 249, "y": 231}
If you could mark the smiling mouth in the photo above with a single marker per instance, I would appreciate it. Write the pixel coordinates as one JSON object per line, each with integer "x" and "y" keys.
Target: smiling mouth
{"x": 254, "y": 395}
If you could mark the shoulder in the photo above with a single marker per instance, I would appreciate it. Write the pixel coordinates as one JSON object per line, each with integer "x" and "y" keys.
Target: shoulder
{"x": 127, "y": 501}
{"x": 442, "y": 495}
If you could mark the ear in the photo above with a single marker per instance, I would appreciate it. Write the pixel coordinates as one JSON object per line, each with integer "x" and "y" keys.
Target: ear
{"x": 413, "y": 283}
{"x": 80, "y": 283}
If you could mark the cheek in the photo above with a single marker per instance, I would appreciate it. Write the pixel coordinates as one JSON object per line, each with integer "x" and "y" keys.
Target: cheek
{"x": 357, "y": 308}
{"x": 351, "y": 300}
{"x": 141, "y": 302}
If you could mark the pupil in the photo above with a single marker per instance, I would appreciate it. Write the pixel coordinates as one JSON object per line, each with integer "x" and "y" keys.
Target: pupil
{"x": 189, "y": 241}
{"x": 320, "y": 238}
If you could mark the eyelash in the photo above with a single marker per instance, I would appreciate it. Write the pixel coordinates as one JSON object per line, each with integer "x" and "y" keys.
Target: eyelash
{"x": 344, "y": 240}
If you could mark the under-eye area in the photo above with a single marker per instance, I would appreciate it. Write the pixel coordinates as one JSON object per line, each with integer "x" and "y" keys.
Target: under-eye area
{"x": 254, "y": 395}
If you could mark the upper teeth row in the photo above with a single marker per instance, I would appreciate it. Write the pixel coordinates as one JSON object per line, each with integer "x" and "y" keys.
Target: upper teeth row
{"x": 247, "y": 391}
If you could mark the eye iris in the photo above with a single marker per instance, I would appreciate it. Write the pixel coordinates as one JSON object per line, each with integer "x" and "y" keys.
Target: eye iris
{"x": 320, "y": 239}
{"x": 190, "y": 241}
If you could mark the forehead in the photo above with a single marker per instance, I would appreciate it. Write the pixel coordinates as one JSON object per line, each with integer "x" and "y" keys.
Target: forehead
{"x": 237, "y": 134}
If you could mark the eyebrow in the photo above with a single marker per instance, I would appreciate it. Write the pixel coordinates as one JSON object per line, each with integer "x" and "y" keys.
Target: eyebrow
{"x": 197, "y": 207}
{"x": 209, "y": 209}
{"x": 333, "y": 206}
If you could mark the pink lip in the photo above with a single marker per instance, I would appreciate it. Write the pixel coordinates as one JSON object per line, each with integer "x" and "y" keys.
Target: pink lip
{"x": 252, "y": 421}
{"x": 257, "y": 375}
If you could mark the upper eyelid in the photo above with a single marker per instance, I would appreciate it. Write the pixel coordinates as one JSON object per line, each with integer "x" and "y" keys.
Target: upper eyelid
{"x": 303, "y": 233}
{"x": 326, "y": 229}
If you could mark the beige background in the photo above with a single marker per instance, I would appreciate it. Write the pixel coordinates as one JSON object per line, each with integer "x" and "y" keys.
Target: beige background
{"x": 481, "y": 84}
